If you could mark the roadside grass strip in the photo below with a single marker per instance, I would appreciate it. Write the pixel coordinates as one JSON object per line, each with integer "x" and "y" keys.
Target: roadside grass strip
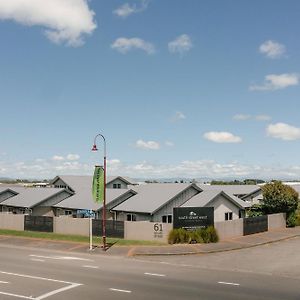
{"x": 66, "y": 286}
{"x": 76, "y": 238}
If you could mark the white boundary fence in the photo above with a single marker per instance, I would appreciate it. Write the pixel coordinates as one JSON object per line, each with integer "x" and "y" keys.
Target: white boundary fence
{"x": 137, "y": 230}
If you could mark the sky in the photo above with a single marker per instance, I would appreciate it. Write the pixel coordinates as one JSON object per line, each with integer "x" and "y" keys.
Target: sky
{"x": 179, "y": 89}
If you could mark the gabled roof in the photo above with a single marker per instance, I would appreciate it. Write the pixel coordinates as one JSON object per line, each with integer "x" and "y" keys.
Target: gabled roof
{"x": 127, "y": 180}
{"x": 77, "y": 182}
{"x": 30, "y": 197}
{"x": 151, "y": 197}
{"x": 84, "y": 199}
{"x": 238, "y": 189}
{"x": 206, "y": 197}
{"x": 4, "y": 189}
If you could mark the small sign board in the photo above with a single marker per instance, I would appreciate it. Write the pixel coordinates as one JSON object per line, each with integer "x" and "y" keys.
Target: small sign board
{"x": 86, "y": 213}
{"x": 192, "y": 218}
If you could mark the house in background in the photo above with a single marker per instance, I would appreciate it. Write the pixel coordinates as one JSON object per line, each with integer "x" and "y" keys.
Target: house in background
{"x": 34, "y": 201}
{"x": 117, "y": 191}
{"x": 77, "y": 183}
{"x": 83, "y": 200}
{"x": 239, "y": 190}
{"x": 226, "y": 207}
{"x": 155, "y": 202}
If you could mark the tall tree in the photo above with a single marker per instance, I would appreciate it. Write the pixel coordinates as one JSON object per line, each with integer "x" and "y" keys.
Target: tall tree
{"x": 278, "y": 197}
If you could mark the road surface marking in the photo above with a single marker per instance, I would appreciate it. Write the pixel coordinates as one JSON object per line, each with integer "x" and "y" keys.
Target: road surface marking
{"x": 5, "y": 282}
{"x": 58, "y": 291}
{"x": 91, "y": 267}
{"x": 37, "y": 259}
{"x": 71, "y": 285}
{"x": 154, "y": 274}
{"x": 117, "y": 290}
{"x": 15, "y": 295}
{"x": 228, "y": 283}
{"x": 61, "y": 257}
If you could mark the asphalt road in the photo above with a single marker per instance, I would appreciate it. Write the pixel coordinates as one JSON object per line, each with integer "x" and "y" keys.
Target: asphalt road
{"x": 39, "y": 274}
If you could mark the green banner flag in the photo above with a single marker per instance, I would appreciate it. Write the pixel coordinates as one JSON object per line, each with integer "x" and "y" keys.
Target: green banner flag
{"x": 98, "y": 184}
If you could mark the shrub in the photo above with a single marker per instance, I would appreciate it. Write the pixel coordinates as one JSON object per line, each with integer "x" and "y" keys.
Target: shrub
{"x": 183, "y": 236}
{"x": 291, "y": 219}
{"x": 297, "y": 217}
{"x": 178, "y": 236}
{"x": 195, "y": 236}
{"x": 212, "y": 234}
{"x": 205, "y": 235}
{"x": 173, "y": 237}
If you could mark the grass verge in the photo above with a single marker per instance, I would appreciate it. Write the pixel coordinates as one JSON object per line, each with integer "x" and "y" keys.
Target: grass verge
{"x": 76, "y": 238}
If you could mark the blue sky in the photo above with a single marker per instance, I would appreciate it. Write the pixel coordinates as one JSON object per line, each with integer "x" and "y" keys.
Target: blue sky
{"x": 197, "y": 89}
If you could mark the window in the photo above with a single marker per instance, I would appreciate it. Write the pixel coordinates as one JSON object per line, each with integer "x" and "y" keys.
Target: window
{"x": 116, "y": 185}
{"x": 131, "y": 217}
{"x": 68, "y": 212}
{"x": 228, "y": 216}
{"x": 166, "y": 219}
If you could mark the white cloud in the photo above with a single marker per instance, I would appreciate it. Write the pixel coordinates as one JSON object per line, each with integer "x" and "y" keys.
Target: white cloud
{"x": 181, "y": 44}
{"x": 263, "y": 118}
{"x": 150, "y": 145}
{"x": 58, "y": 158}
{"x": 66, "y": 21}
{"x": 241, "y": 117}
{"x": 283, "y": 131}
{"x": 222, "y": 137}
{"x": 73, "y": 157}
{"x": 178, "y": 116}
{"x": 169, "y": 144}
{"x": 272, "y": 49}
{"x": 277, "y": 82}
{"x": 124, "y": 45}
{"x": 126, "y": 9}
{"x": 185, "y": 169}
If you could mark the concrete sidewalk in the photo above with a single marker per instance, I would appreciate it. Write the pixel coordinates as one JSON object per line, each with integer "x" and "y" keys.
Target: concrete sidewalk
{"x": 186, "y": 249}
{"x": 228, "y": 245}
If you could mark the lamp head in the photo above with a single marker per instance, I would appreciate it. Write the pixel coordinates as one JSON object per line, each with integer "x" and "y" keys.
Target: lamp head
{"x": 94, "y": 148}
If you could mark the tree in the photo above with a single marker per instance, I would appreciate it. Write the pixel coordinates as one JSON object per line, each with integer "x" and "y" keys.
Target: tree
{"x": 278, "y": 197}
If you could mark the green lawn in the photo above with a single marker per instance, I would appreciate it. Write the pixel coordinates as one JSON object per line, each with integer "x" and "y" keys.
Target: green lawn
{"x": 75, "y": 238}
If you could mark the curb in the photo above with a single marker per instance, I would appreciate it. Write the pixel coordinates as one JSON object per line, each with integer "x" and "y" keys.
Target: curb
{"x": 216, "y": 251}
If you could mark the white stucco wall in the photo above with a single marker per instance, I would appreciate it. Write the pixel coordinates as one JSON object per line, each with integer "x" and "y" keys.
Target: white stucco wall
{"x": 221, "y": 206}
{"x": 116, "y": 181}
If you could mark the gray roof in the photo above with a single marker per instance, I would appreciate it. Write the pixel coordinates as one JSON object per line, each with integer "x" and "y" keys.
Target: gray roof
{"x": 126, "y": 179}
{"x": 77, "y": 182}
{"x": 239, "y": 189}
{"x": 30, "y": 197}
{"x": 150, "y": 197}
{"x": 206, "y": 197}
{"x": 83, "y": 199}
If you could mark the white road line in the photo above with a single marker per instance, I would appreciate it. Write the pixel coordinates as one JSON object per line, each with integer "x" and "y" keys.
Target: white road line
{"x": 57, "y": 291}
{"x": 5, "y": 282}
{"x": 71, "y": 285}
{"x": 91, "y": 267}
{"x": 38, "y": 278}
{"x": 16, "y": 296}
{"x": 37, "y": 259}
{"x": 61, "y": 257}
{"x": 117, "y": 290}
{"x": 154, "y": 274}
{"x": 228, "y": 283}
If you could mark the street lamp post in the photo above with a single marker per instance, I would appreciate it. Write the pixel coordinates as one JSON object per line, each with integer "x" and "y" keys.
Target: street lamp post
{"x": 94, "y": 148}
